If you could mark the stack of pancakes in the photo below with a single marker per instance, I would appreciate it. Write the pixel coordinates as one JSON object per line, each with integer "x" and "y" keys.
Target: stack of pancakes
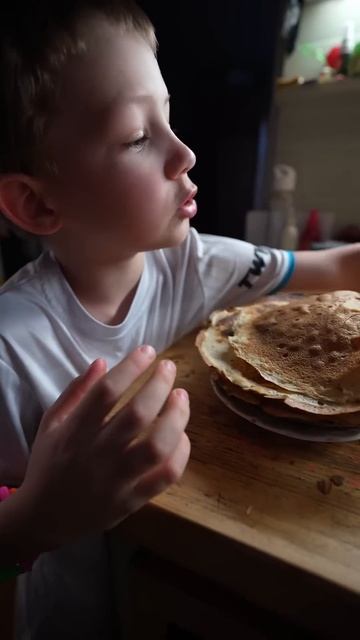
{"x": 294, "y": 358}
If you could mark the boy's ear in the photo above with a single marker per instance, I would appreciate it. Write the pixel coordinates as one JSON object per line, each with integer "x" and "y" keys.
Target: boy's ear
{"x": 22, "y": 201}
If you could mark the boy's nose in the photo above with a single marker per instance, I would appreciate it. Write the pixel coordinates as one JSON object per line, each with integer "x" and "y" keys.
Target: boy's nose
{"x": 181, "y": 160}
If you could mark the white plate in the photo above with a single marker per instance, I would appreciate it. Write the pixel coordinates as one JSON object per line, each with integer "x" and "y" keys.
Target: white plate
{"x": 283, "y": 426}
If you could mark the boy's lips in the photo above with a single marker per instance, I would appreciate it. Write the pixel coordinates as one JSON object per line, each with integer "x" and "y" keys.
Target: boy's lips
{"x": 188, "y": 207}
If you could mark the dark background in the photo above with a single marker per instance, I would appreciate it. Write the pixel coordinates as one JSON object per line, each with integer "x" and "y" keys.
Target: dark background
{"x": 219, "y": 60}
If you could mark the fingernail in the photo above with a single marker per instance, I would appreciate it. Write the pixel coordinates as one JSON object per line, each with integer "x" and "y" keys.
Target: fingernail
{"x": 182, "y": 394}
{"x": 169, "y": 365}
{"x": 96, "y": 364}
{"x": 147, "y": 350}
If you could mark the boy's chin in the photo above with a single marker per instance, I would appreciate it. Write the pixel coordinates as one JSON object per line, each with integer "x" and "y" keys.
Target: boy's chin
{"x": 180, "y": 234}
{"x": 173, "y": 238}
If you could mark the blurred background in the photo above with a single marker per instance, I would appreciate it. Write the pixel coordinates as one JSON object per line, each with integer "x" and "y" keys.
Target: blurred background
{"x": 268, "y": 96}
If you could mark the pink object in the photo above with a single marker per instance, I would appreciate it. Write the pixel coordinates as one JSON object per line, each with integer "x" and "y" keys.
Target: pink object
{"x": 334, "y": 58}
{"x": 24, "y": 565}
{"x": 4, "y": 493}
{"x": 312, "y": 232}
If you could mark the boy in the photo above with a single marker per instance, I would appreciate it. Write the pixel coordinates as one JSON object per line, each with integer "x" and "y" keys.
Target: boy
{"x": 90, "y": 163}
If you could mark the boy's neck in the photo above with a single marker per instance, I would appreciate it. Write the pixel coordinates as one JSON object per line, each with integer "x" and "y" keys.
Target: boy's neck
{"x": 106, "y": 289}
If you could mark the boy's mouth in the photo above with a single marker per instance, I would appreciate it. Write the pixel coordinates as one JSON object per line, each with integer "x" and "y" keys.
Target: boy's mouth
{"x": 188, "y": 207}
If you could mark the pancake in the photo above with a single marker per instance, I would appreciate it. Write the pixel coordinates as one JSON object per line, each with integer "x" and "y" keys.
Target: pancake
{"x": 283, "y": 410}
{"x": 310, "y": 347}
{"x": 215, "y": 348}
{"x": 311, "y": 431}
{"x": 241, "y": 343}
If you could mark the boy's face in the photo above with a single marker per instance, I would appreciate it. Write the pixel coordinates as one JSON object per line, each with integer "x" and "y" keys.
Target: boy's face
{"x": 122, "y": 173}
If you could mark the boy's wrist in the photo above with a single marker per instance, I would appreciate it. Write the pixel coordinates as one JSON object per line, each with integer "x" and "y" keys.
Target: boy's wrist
{"x": 20, "y": 540}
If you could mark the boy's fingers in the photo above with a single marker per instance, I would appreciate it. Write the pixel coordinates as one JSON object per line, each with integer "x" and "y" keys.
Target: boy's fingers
{"x": 109, "y": 389}
{"x": 74, "y": 393}
{"x": 154, "y": 482}
{"x": 158, "y": 480}
{"x": 162, "y": 440}
{"x": 144, "y": 407}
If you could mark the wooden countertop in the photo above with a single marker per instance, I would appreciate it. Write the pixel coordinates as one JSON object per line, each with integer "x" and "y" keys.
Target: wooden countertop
{"x": 253, "y": 502}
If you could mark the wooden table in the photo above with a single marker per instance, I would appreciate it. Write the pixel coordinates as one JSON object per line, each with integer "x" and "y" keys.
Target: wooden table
{"x": 258, "y": 515}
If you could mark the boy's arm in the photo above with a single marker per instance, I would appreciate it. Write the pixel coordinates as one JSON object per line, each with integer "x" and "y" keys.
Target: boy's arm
{"x": 328, "y": 269}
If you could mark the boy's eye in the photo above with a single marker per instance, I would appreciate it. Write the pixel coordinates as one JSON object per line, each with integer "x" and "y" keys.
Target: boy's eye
{"x": 139, "y": 143}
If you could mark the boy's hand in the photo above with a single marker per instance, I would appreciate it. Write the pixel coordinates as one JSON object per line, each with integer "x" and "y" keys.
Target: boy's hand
{"x": 327, "y": 270}
{"x": 87, "y": 472}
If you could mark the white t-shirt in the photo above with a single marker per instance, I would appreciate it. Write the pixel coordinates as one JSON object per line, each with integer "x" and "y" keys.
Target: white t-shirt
{"x": 47, "y": 338}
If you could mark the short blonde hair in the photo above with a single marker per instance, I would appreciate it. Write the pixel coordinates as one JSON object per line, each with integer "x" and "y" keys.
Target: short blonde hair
{"x": 36, "y": 40}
